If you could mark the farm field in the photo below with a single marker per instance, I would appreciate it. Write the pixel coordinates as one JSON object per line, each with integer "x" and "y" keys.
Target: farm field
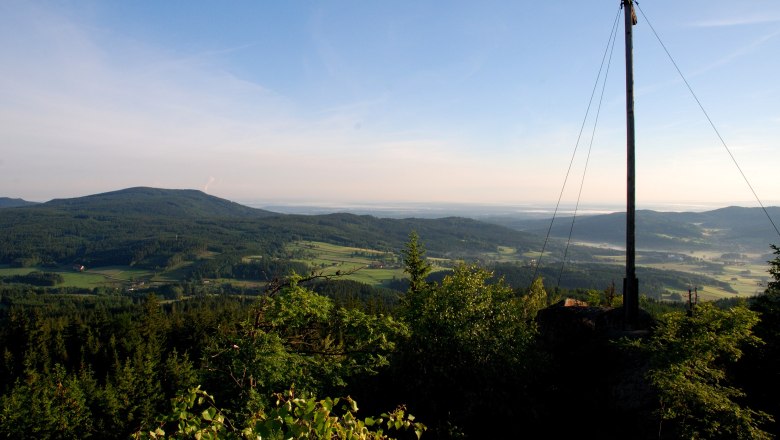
{"x": 374, "y": 267}
{"x": 330, "y": 259}
{"x": 364, "y": 265}
{"x": 367, "y": 266}
{"x": 110, "y": 276}
{"x": 747, "y": 279}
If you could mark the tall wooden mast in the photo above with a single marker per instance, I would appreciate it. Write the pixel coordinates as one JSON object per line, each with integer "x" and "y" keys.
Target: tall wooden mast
{"x": 630, "y": 282}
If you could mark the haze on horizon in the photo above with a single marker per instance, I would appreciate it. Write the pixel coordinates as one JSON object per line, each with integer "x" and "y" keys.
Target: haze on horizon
{"x": 347, "y": 101}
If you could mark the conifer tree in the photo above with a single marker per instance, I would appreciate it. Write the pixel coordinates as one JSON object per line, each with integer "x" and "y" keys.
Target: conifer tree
{"x": 418, "y": 269}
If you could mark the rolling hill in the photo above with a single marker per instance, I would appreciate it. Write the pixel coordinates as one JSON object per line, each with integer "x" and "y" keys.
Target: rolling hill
{"x": 726, "y": 229}
{"x": 184, "y": 231}
{"x": 156, "y": 202}
{"x": 7, "y": 202}
{"x": 156, "y": 228}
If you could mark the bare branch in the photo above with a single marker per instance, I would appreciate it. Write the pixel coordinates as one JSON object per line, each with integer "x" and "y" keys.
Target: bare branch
{"x": 278, "y": 284}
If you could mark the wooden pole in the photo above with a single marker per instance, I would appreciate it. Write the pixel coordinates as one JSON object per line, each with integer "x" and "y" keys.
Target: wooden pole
{"x": 630, "y": 283}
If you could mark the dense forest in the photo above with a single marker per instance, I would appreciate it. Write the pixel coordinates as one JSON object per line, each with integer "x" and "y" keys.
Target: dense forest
{"x": 459, "y": 356}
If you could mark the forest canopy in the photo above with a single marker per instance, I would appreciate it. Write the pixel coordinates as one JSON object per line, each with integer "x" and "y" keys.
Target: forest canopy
{"x": 446, "y": 360}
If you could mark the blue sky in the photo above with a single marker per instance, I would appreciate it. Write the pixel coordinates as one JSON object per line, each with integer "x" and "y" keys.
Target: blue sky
{"x": 371, "y": 101}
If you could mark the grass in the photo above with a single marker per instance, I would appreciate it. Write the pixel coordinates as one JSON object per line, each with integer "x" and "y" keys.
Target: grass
{"x": 503, "y": 254}
{"x": 330, "y": 259}
{"x": 745, "y": 279}
{"x": 109, "y": 276}
{"x": 375, "y": 277}
{"x": 375, "y": 267}
{"x": 6, "y": 271}
{"x": 249, "y": 284}
{"x": 367, "y": 266}
{"x": 83, "y": 280}
{"x": 121, "y": 273}
{"x": 175, "y": 274}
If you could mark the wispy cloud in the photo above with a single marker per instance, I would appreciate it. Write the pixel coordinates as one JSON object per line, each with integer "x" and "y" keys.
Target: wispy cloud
{"x": 84, "y": 109}
{"x": 744, "y": 20}
{"x": 81, "y": 120}
{"x": 727, "y": 59}
{"x": 744, "y": 50}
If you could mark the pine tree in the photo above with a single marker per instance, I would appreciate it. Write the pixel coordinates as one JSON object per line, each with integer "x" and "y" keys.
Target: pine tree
{"x": 418, "y": 269}
{"x": 415, "y": 263}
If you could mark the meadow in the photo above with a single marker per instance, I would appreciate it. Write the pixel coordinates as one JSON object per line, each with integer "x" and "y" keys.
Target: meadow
{"x": 109, "y": 276}
{"x": 377, "y": 268}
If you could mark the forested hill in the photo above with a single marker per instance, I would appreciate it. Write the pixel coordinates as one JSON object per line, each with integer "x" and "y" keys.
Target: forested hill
{"x": 732, "y": 227}
{"x": 7, "y": 202}
{"x": 156, "y": 202}
{"x": 450, "y": 236}
{"x": 157, "y": 228}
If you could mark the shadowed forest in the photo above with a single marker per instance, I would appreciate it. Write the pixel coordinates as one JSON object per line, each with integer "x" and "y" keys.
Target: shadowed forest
{"x": 463, "y": 357}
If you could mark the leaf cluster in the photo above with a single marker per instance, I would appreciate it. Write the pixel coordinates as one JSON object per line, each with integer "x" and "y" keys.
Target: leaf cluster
{"x": 195, "y": 415}
{"x": 689, "y": 359}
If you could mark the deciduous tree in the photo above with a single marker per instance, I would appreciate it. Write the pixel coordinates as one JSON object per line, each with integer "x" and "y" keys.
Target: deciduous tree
{"x": 690, "y": 356}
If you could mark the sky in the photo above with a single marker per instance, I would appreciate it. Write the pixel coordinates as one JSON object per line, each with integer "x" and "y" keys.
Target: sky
{"x": 386, "y": 102}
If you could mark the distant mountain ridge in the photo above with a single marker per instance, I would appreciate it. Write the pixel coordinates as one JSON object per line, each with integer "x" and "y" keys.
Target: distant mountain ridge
{"x": 130, "y": 226}
{"x": 180, "y": 231}
{"x": 7, "y": 202}
{"x": 156, "y": 201}
{"x": 731, "y": 227}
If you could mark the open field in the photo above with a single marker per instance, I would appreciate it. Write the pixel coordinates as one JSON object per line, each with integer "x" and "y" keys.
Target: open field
{"x": 173, "y": 275}
{"x": 121, "y": 273}
{"x": 330, "y": 259}
{"x": 505, "y": 254}
{"x": 746, "y": 279}
{"x": 747, "y": 276}
{"x": 331, "y": 253}
{"x": 248, "y": 284}
{"x": 6, "y": 271}
{"x": 110, "y": 276}
{"x": 367, "y": 265}
{"x": 373, "y": 267}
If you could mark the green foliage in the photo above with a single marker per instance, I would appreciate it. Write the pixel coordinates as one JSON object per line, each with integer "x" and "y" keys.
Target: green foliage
{"x": 46, "y": 407}
{"x": 774, "y": 270}
{"x": 297, "y": 337}
{"x": 467, "y": 361}
{"x": 106, "y": 364}
{"x": 35, "y": 278}
{"x": 596, "y": 276}
{"x": 690, "y": 356}
{"x": 418, "y": 269}
{"x": 469, "y": 344}
{"x": 160, "y": 229}
{"x": 232, "y": 265}
{"x": 535, "y": 300}
{"x": 352, "y": 294}
{"x": 467, "y": 317}
{"x": 761, "y": 369}
{"x": 415, "y": 263}
{"x": 195, "y": 415}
